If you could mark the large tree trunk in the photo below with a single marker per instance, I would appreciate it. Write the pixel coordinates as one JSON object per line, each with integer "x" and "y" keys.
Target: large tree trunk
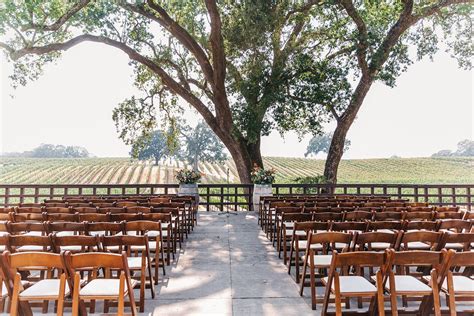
{"x": 336, "y": 150}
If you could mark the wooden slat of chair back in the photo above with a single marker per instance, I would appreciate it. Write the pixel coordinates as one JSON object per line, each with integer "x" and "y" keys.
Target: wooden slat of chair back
{"x": 420, "y": 225}
{"x": 392, "y": 225}
{"x": 23, "y": 227}
{"x": 359, "y": 258}
{"x": 366, "y": 238}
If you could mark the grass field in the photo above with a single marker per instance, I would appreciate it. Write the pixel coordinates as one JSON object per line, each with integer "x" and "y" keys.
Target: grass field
{"x": 126, "y": 171}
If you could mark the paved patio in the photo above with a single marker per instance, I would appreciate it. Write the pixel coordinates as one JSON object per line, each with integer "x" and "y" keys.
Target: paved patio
{"x": 228, "y": 267}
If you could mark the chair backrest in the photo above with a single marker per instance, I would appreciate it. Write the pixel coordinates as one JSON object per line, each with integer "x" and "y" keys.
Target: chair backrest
{"x": 357, "y": 216}
{"x": 72, "y": 227}
{"x": 296, "y": 217}
{"x": 61, "y": 217}
{"x": 27, "y": 217}
{"x": 126, "y": 203}
{"x": 124, "y": 242}
{"x": 359, "y": 259}
{"x": 448, "y": 215}
{"x": 289, "y": 209}
{"x": 420, "y": 225}
{"x": 126, "y": 217}
{"x": 328, "y": 239}
{"x": 311, "y": 226}
{"x": 95, "y": 260}
{"x": 430, "y": 237}
{"x": 64, "y": 210}
{"x": 162, "y": 217}
{"x": 89, "y": 242}
{"x": 327, "y": 216}
{"x": 417, "y": 258}
{"x": 392, "y": 225}
{"x": 37, "y": 210}
{"x": 365, "y": 240}
{"x": 137, "y": 209}
{"x": 142, "y": 227}
{"x": 107, "y": 228}
{"x": 31, "y": 259}
{"x": 449, "y": 209}
{"x": 110, "y": 210}
{"x": 386, "y": 216}
{"x": 349, "y": 226}
{"x": 15, "y": 241}
{"x": 418, "y": 216}
{"x": 466, "y": 239}
{"x": 394, "y": 209}
{"x": 462, "y": 259}
{"x": 24, "y": 227}
{"x": 457, "y": 225}
{"x": 85, "y": 210}
{"x": 93, "y": 217}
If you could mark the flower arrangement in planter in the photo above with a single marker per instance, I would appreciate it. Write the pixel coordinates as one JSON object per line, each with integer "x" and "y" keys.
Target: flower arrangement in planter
{"x": 262, "y": 176}
{"x": 262, "y": 180}
{"x": 187, "y": 176}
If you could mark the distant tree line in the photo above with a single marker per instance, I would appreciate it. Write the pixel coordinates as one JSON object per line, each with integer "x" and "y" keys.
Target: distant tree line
{"x": 465, "y": 149}
{"x": 52, "y": 151}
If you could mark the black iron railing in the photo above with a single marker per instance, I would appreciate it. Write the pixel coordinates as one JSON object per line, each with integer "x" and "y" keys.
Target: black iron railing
{"x": 239, "y": 196}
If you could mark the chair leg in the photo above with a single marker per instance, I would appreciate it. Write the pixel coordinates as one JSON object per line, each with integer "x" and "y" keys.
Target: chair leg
{"x": 303, "y": 275}
{"x": 312, "y": 281}
{"x": 451, "y": 298}
{"x": 380, "y": 298}
{"x": 75, "y": 294}
{"x": 337, "y": 295}
{"x": 62, "y": 288}
{"x": 121, "y": 303}
{"x": 393, "y": 295}
{"x": 16, "y": 295}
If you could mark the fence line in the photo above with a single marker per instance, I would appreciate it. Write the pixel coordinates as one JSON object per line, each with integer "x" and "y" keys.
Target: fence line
{"x": 238, "y": 196}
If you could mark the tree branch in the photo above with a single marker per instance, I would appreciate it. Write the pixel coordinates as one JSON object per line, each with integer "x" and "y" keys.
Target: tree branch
{"x": 133, "y": 55}
{"x": 362, "y": 44}
{"x": 59, "y": 22}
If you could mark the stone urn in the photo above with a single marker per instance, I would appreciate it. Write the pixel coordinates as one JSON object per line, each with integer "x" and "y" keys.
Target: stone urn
{"x": 260, "y": 190}
{"x": 189, "y": 189}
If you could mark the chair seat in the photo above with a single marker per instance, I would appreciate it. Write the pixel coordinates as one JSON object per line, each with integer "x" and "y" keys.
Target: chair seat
{"x": 43, "y": 289}
{"x": 462, "y": 284}
{"x": 302, "y": 244}
{"x": 384, "y": 230}
{"x": 135, "y": 263}
{"x": 418, "y": 245}
{"x": 380, "y": 245}
{"x": 96, "y": 233}
{"x": 454, "y": 245}
{"x": 105, "y": 288}
{"x": 67, "y": 233}
{"x": 5, "y": 291}
{"x": 151, "y": 247}
{"x": 31, "y": 248}
{"x": 34, "y": 234}
{"x": 289, "y": 233}
{"x": 353, "y": 284}
{"x": 321, "y": 261}
{"x": 409, "y": 284}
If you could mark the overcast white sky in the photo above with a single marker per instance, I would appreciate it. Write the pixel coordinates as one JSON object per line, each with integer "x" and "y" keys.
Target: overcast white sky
{"x": 430, "y": 109}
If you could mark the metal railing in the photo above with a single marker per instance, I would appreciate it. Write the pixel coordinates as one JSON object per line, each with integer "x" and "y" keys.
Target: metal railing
{"x": 239, "y": 196}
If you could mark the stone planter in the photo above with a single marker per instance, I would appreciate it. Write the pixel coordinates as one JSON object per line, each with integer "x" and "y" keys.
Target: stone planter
{"x": 189, "y": 190}
{"x": 260, "y": 190}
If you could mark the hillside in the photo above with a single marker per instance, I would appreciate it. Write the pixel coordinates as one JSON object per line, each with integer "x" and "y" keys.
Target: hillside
{"x": 123, "y": 170}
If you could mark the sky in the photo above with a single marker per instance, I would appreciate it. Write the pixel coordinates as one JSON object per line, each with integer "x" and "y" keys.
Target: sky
{"x": 430, "y": 109}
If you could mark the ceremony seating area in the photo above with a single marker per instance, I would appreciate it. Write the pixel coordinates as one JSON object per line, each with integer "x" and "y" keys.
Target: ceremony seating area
{"x": 79, "y": 250}
{"x": 382, "y": 253}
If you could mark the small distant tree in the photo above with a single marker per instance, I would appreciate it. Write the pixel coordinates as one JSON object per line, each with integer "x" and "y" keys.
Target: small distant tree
{"x": 321, "y": 143}
{"x": 157, "y": 146}
{"x": 465, "y": 149}
{"x": 201, "y": 144}
{"x": 57, "y": 151}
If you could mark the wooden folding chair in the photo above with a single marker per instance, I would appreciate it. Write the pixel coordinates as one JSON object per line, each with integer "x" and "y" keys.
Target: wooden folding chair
{"x": 299, "y": 241}
{"x": 357, "y": 216}
{"x": 419, "y": 240}
{"x": 49, "y": 289}
{"x": 154, "y": 232}
{"x": 374, "y": 241}
{"x": 459, "y": 285}
{"x": 141, "y": 264}
{"x": 65, "y": 228}
{"x": 403, "y": 284}
{"x": 285, "y": 230}
{"x": 455, "y": 225}
{"x": 456, "y": 241}
{"x": 317, "y": 256}
{"x": 385, "y": 226}
{"x": 76, "y": 244}
{"x": 104, "y": 228}
{"x": 169, "y": 245}
{"x": 344, "y": 285}
{"x": 106, "y": 288}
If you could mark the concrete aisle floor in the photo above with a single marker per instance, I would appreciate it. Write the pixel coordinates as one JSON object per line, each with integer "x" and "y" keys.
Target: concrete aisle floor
{"x": 228, "y": 267}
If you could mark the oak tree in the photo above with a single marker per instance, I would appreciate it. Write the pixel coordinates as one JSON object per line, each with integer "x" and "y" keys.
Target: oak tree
{"x": 247, "y": 67}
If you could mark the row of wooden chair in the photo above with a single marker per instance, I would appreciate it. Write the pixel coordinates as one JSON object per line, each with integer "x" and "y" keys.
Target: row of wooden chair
{"x": 346, "y": 278}
{"x": 65, "y": 281}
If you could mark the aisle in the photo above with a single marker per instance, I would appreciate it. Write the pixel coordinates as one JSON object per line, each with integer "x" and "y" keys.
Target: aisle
{"x": 228, "y": 267}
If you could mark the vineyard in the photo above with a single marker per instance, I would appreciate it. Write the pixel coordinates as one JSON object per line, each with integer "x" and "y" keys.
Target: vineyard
{"x": 127, "y": 171}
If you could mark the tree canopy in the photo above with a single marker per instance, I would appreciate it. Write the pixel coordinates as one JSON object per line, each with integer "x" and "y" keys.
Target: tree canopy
{"x": 465, "y": 149}
{"x": 247, "y": 67}
{"x": 321, "y": 143}
{"x": 157, "y": 146}
{"x": 201, "y": 144}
